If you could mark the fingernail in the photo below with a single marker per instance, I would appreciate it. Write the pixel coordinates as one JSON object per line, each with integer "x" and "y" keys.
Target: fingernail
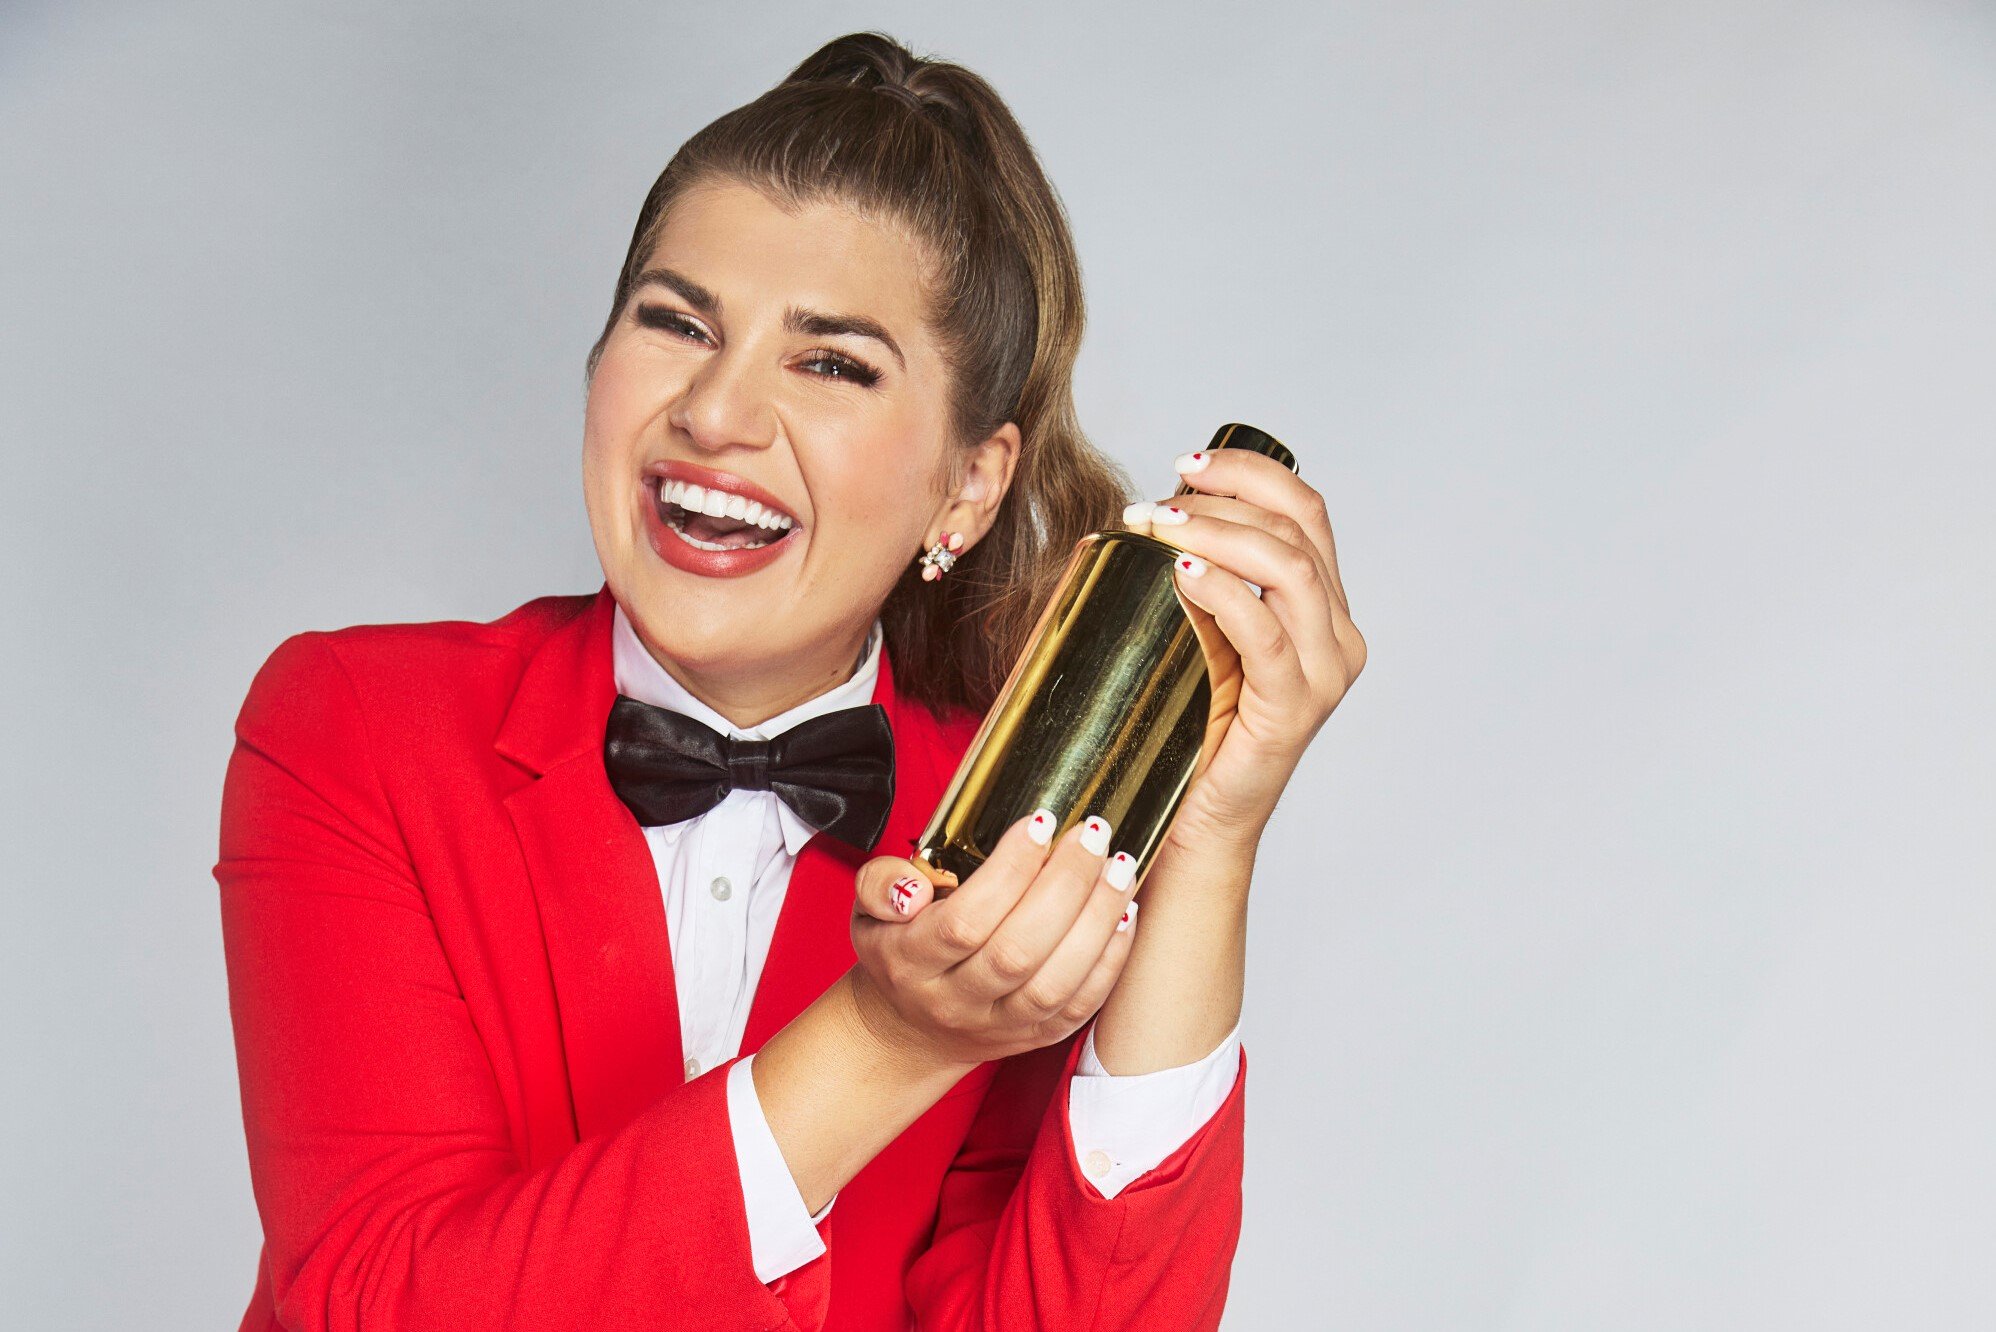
{"x": 1040, "y": 827}
{"x": 1138, "y": 514}
{"x": 1192, "y": 462}
{"x": 927, "y": 853}
{"x": 1168, "y": 514}
{"x": 1095, "y": 835}
{"x": 1122, "y": 869}
{"x": 1129, "y": 917}
{"x": 1192, "y": 565}
{"x": 903, "y": 893}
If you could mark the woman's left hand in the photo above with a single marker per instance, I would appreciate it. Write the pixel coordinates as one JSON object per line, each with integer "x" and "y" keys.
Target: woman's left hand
{"x": 1253, "y": 520}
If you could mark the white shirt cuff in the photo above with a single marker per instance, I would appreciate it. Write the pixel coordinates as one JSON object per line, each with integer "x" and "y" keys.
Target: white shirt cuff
{"x": 783, "y": 1236}
{"x": 1126, "y": 1124}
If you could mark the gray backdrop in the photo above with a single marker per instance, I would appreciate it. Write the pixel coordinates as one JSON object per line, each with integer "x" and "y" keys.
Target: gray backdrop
{"x": 1621, "y": 955}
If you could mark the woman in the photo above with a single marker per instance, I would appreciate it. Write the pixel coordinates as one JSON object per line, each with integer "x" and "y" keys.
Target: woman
{"x": 529, "y": 1039}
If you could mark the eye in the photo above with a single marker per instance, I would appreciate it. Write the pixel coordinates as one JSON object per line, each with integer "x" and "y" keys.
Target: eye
{"x": 845, "y": 367}
{"x": 670, "y": 321}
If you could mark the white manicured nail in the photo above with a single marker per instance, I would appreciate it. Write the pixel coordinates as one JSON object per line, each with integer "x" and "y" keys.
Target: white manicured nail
{"x": 1095, "y": 835}
{"x": 1168, "y": 514}
{"x": 904, "y": 893}
{"x": 1040, "y": 827}
{"x": 1192, "y": 565}
{"x": 1129, "y": 917}
{"x": 1122, "y": 869}
{"x": 1138, "y": 514}
{"x": 1191, "y": 462}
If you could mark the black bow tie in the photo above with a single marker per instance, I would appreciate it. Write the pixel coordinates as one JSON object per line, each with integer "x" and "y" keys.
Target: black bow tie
{"x": 836, "y": 770}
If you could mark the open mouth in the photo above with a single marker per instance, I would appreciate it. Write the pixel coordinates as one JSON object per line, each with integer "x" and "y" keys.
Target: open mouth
{"x": 716, "y": 520}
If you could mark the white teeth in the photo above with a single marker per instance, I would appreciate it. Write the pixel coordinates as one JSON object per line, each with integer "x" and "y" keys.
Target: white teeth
{"x": 721, "y": 504}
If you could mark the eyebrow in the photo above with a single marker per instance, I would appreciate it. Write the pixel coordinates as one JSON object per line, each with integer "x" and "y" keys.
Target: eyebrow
{"x": 810, "y": 323}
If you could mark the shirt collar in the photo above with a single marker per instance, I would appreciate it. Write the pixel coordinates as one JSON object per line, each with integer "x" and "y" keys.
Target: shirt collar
{"x": 639, "y": 676}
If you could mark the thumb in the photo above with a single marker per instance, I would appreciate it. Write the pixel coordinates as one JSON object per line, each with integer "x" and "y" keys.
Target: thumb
{"x": 891, "y": 888}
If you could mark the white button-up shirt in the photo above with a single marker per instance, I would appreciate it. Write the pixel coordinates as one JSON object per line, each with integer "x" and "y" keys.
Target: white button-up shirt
{"x": 724, "y": 875}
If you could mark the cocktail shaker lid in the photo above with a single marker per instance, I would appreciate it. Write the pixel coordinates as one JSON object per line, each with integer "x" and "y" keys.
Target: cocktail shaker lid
{"x": 1237, "y": 436}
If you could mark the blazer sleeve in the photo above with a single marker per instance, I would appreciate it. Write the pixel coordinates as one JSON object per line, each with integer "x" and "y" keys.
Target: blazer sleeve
{"x": 1022, "y": 1238}
{"x": 391, "y": 1195}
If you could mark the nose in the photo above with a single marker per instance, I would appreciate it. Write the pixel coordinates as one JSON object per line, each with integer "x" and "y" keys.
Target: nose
{"x": 727, "y": 405}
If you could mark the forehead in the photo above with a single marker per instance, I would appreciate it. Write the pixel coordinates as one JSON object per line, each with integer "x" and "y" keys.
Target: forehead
{"x": 756, "y": 256}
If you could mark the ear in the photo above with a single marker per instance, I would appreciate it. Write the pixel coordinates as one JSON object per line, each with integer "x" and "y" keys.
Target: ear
{"x": 987, "y": 476}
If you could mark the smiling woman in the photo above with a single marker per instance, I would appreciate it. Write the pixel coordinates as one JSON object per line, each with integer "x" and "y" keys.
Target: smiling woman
{"x": 565, "y": 992}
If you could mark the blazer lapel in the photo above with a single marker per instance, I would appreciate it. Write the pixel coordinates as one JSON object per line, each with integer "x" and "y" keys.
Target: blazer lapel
{"x": 813, "y": 942}
{"x": 602, "y": 914}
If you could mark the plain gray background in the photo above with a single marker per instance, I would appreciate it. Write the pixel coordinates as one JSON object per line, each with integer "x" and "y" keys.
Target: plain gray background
{"x": 1621, "y": 954}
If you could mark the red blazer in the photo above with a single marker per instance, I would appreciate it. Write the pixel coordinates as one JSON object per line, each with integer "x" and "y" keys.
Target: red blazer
{"x": 458, "y": 1039}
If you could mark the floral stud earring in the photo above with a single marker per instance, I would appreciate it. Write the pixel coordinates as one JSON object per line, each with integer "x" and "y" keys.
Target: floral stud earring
{"x": 941, "y": 557}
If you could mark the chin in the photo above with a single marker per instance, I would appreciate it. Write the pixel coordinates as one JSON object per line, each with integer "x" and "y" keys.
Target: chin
{"x": 703, "y": 641}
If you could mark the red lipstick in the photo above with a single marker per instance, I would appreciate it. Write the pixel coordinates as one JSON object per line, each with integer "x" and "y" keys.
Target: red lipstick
{"x": 672, "y": 547}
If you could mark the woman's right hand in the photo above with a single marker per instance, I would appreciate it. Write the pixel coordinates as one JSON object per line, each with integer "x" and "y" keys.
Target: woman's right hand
{"x": 1018, "y": 957}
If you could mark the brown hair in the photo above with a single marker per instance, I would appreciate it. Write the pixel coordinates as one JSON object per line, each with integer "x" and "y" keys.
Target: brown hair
{"x": 929, "y": 146}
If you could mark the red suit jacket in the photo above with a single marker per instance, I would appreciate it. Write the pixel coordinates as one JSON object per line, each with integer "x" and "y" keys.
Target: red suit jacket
{"x": 456, "y": 1029}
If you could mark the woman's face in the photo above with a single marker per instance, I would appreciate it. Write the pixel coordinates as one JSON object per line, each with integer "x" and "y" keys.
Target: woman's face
{"x": 785, "y": 359}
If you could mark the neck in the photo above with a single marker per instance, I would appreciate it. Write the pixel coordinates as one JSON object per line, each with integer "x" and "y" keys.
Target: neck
{"x": 750, "y": 701}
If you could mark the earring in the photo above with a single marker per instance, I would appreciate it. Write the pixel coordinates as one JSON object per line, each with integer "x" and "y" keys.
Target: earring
{"x": 941, "y": 557}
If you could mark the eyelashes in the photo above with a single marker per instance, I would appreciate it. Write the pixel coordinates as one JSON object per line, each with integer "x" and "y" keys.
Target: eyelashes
{"x": 849, "y": 368}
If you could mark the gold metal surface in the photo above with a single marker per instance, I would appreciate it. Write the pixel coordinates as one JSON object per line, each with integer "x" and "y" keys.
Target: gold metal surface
{"x": 1121, "y": 696}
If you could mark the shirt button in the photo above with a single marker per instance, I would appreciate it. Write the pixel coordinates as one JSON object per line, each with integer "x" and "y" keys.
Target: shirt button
{"x": 693, "y": 1071}
{"x": 721, "y": 888}
{"x": 1096, "y": 1163}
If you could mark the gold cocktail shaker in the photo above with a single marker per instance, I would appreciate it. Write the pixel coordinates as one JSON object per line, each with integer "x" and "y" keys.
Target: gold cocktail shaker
{"x": 1119, "y": 699}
